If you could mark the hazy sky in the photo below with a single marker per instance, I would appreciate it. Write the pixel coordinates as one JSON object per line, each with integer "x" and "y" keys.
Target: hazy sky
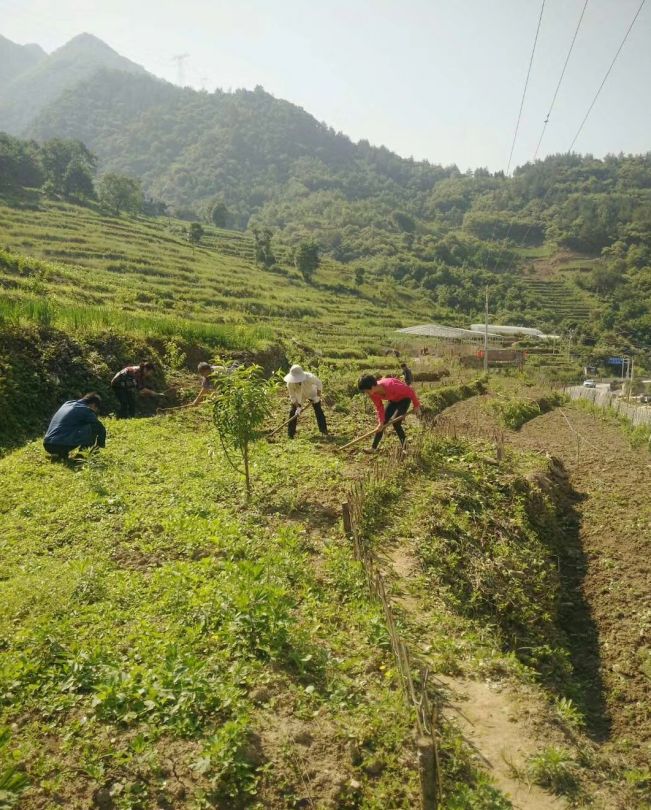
{"x": 435, "y": 79}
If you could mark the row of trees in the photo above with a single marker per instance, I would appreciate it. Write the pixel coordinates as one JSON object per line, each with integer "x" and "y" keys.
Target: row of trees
{"x": 66, "y": 169}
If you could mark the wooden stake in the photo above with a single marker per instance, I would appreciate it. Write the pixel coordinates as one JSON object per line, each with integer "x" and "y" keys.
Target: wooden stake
{"x": 348, "y": 523}
{"x": 426, "y": 771}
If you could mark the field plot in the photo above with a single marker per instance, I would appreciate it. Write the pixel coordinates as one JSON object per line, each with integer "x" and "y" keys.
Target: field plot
{"x": 98, "y": 272}
{"x": 165, "y": 646}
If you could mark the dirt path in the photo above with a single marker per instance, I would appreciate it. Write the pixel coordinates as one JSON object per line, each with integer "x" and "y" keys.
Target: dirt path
{"x": 489, "y": 716}
{"x": 491, "y": 720}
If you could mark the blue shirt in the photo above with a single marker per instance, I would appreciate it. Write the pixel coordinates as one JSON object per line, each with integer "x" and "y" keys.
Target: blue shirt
{"x": 75, "y": 425}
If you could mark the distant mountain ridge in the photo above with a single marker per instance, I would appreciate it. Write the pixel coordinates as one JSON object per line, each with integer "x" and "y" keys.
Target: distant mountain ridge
{"x": 16, "y": 59}
{"x": 246, "y": 147}
{"x": 35, "y": 79}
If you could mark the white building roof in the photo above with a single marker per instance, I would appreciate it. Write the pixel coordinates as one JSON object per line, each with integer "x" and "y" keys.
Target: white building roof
{"x": 445, "y": 332}
{"x": 508, "y": 330}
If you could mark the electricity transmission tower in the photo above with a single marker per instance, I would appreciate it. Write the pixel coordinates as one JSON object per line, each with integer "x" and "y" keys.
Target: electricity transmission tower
{"x": 180, "y": 67}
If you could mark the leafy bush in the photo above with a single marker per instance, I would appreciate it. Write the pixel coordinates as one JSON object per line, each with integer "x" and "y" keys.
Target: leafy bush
{"x": 439, "y": 399}
{"x": 241, "y": 405}
{"x": 513, "y": 413}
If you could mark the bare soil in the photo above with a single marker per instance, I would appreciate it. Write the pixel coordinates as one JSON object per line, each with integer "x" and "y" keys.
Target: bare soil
{"x": 608, "y": 618}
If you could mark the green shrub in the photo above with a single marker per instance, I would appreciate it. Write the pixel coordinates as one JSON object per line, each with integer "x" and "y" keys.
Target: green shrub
{"x": 513, "y": 413}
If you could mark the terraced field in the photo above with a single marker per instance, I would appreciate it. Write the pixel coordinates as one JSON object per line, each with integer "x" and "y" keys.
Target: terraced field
{"x": 561, "y": 297}
{"x": 147, "y": 269}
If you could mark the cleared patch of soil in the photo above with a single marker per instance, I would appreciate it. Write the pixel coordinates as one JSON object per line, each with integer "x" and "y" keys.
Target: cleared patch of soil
{"x": 492, "y": 722}
{"x": 612, "y": 572}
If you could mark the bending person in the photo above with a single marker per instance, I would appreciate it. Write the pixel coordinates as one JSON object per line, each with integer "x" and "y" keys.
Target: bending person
{"x": 209, "y": 375}
{"x": 128, "y": 383}
{"x": 304, "y": 388}
{"x": 398, "y": 395}
{"x": 75, "y": 425}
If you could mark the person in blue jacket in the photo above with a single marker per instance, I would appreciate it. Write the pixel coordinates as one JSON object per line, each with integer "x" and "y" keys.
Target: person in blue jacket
{"x": 75, "y": 425}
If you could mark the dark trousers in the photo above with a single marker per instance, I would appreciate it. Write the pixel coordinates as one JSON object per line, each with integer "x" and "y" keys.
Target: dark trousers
{"x": 318, "y": 412}
{"x": 127, "y": 399}
{"x": 58, "y": 450}
{"x": 393, "y": 410}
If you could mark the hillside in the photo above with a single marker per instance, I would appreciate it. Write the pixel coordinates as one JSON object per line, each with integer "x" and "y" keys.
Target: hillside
{"x": 16, "y": 59}
{"x": 43, "y": 78}
{"x": 450, "y": 235}
{"x": 246, "y": 148}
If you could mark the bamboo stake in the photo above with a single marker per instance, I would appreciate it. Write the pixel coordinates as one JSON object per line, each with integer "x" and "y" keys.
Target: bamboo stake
{"x": 371, "y": 432}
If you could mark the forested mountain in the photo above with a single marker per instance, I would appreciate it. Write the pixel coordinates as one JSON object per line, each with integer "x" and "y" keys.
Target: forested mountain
{"x": 269, "y": 164}
{"x": 16, "y": 59}
{"x": 247, "y": 148}
{"x": 41, "y": 79}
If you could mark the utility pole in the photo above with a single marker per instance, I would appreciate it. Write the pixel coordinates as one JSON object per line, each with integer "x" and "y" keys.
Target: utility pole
{"x": 486, "y": 335}
{"x": 630, "y": 381}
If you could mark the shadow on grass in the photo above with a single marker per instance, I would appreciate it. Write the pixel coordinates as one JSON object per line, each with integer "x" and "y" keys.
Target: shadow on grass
{"x": 575, "y": 616}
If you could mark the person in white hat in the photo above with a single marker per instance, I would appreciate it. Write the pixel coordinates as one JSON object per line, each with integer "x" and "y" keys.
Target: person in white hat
{"x": 304, "y": 388}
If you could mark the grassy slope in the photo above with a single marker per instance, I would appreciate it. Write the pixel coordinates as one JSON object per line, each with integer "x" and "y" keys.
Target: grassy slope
{"x": 145, "y": 272}
{"x": 159, "y": 636}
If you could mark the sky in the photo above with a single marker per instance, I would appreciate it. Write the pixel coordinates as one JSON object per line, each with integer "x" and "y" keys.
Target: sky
{"x": 439, "y": 80}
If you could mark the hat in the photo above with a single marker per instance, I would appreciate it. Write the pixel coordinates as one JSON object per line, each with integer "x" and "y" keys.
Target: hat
{"x": 296, "y": 375}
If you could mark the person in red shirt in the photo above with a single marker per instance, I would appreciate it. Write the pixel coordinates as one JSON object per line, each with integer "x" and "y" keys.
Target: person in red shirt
{"x": 399, "y": 396}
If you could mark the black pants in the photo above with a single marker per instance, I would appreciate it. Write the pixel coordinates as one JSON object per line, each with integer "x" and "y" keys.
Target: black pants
{"x": 318, "y": 412}
{"x": 393, "y": 410}
{"x": 126, "y": 396}
{"x": 62, "y": 451}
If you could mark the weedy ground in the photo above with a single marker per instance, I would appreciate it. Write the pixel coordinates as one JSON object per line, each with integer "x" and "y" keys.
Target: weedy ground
{"x": 166, "y": 643}
{"x": 91, "y": 272}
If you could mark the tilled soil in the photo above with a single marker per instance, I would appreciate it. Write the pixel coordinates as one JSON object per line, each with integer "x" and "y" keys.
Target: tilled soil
{"x": 609, "y": 616}
{"x": 613, "y": 486}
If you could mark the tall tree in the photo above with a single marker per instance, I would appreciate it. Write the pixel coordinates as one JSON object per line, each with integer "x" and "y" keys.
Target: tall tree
{"x": 306, "y": 259}
{"x": 195, "y": 233}
{"x": 119, "y": 193}
{"x": 219, "y": 215}
{"x": 58, "y": 155}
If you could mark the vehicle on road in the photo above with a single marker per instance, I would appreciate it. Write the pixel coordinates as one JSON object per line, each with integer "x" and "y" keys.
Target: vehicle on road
{"x": 589, "y": 384}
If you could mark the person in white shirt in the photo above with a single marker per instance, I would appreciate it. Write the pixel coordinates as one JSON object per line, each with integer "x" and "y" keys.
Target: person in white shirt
{"x": 304, "y": 388}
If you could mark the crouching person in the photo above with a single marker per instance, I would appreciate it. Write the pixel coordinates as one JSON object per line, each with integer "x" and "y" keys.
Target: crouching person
{"x": 399, "y": 396}
{"x": 75, "y": 425}
{"x": 304, "y": 388}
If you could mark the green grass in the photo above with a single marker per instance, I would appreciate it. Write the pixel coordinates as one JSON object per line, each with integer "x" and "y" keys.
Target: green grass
{"x": 145, "y": 269}
{"x": 82, "y": 320}
{"x": 144, "y": 610}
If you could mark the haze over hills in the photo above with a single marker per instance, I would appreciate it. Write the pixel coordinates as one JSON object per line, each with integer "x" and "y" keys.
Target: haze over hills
{"x": 16, "y": 59}
{"x": 35, "y": 79}
{"x": 273, "y": 164}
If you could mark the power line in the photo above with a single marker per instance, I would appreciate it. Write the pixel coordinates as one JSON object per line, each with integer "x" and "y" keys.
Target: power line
{"x": 558, "y": 86}
{"x": 594, "y": 100}
{"x": 526, "y": 83}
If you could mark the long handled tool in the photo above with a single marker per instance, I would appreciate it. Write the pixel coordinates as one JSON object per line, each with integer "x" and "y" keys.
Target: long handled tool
{"x": 371, "y": 432}
{"x": 291, "y": 418}
{"x": 180, "y": 407}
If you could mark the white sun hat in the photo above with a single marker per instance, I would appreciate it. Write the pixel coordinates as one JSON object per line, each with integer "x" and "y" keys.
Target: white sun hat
{"x": 296, "y": 375}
